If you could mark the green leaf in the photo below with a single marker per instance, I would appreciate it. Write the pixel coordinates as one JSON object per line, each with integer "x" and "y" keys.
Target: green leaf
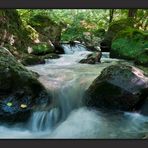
{"x": 9, "y": 104}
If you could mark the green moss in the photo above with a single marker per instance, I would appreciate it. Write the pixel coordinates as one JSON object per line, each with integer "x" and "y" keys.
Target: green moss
{"x": 132, "y": 33}
{"x": 42, "y": 48}
{"x": 127, "y": 48}
{"x": 120, "y": 24}
{"x": 18, "y": 86}
{"x": 40, "y": 21}
{"x": 114, "y": 28}
{"x": 142, "y": 58}
{"x": 117, "y": 26}
{"x": 129, "y": 44}
{"x": 10, "y": 70}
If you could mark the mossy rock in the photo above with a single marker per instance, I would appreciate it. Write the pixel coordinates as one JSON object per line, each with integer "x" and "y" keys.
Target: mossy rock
{"x": 34, "y": 60}
{"x": 51, "y": 56}
{"x": 19, "y": 86}
{"x": 113, "y": 29}
{"x": 129, "y": 44}
{"x": 117, "y": 26}
{"x": 119, "y": 87}
{"x": 42, "y": 49}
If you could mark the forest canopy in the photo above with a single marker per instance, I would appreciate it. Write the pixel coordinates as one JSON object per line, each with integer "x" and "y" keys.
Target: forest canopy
{"x": 81, "y": 20}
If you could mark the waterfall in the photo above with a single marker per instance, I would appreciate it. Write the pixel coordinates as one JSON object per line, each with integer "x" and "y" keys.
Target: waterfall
{"x": 105, "y": 55}
{"x": 43, "y": 120}
{"x": 68, "y": 49}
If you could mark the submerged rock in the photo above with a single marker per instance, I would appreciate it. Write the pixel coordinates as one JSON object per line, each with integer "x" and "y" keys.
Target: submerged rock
{"x": 92, "y": 58}
{"x": 59, "y": 49}
{"x": 119, "y": 87}
{"x": 20, "y": 91}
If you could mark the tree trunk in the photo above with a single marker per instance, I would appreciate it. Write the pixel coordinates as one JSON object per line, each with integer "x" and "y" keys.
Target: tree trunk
{"x": 132, "y": 13}
{"x": 111, "y": 15}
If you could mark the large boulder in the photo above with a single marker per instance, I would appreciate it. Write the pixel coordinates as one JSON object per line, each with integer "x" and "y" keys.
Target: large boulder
{"x": 20, "y": 91}
{"x": 113, "y": 29}
{"x": 130, "y": 44}
{"x": 119, "y": 87}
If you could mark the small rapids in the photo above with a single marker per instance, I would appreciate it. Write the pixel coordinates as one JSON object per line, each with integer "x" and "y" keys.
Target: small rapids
{"x": 68, "y": 49}
{"x": 67, "y": 79}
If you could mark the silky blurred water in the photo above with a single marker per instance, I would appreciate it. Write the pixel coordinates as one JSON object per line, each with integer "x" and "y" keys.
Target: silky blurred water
{"x": 67, "y": 80}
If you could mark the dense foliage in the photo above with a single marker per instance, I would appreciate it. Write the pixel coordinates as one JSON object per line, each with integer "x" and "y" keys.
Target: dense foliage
{"x": 79, "y": 21}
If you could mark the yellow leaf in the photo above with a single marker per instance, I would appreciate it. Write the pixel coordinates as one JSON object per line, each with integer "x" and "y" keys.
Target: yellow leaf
{"x": 23, "y": 106}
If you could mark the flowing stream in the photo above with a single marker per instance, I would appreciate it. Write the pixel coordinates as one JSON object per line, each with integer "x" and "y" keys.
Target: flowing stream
{"x": 67, "y": 79}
